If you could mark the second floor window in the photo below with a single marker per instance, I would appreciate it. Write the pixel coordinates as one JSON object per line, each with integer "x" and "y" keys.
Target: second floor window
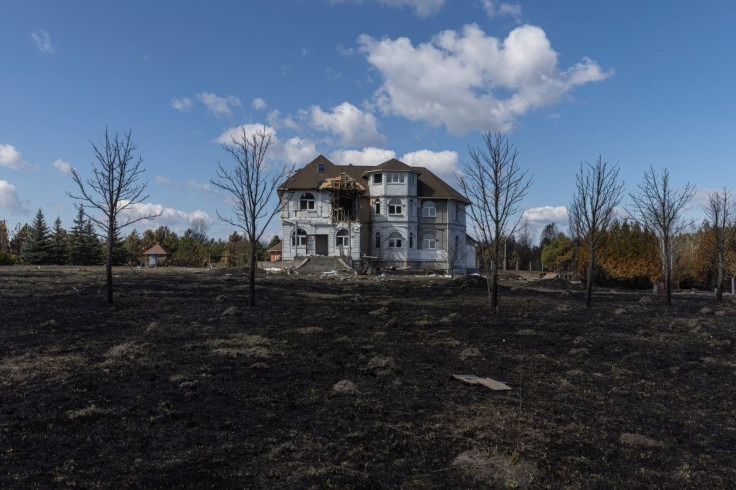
{"x": 306, "y": 203}
{"x": 394, "y": 207}
{"x": 378, "y": 206}
{"x": 429, "y": 210}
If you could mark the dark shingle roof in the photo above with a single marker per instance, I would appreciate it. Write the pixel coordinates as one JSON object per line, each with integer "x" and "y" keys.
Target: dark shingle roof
{"x": 428, "y": 184}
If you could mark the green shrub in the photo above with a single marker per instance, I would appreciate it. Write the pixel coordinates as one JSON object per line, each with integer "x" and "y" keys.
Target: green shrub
{"x": 6, "y": 258}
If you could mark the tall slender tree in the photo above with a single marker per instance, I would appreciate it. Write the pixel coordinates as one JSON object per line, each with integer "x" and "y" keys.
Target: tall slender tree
{"x": 114, "y": 190}
{"x": 658, "y": 205}
{"x": 60, "y": 245}
{"x": 597, "y": 193}
{"x": 252, "y": 185}
{"x": 720, "y": 213}
{"x": 495, "y": 184}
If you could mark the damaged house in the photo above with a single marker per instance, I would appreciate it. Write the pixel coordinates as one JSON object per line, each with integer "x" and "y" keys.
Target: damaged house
{"x": 391, "y": 215}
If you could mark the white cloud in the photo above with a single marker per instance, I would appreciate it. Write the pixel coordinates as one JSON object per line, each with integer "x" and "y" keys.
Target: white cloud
{"x": 9, "y": 198}
{"x": 219, "y": 106}
{"x": 294, "y": 150}
{"x": 353, "y": 126}
{"x": 422, "y": 8}
{"x": 546, "y": 214}
{"x": 12, "y": 158}
{"x": 161, "y": 180}
{"x": 494, "y": 9}
{"x": 176, "y": 219}
{"x": 366, "y": 156}
{"x": 182, "y": 105}
{"x": 275, "y": 120}
{"x": 43, "y": 41}
{"x": 259, "y": 104}
{"x": 467, "y": 80}
{"x": 62, "y": 166}
{"x": 441, "y": 163}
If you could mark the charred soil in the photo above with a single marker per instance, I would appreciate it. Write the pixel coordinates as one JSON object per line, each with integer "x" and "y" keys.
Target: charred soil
{"x": 345, "y": 382}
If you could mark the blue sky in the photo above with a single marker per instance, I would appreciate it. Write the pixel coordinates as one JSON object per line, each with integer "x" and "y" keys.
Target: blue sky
{"x": 641, "y": 83}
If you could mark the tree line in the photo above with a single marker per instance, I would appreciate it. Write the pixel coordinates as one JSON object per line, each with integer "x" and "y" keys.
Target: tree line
{"x": 36, "y": 243}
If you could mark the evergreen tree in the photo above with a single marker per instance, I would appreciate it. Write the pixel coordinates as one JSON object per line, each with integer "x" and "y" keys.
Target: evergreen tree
{"x": 4, "y": 240}
{"x": 38, "y": 246}
{"x": 84, "y": 247}
{"x": 60, "y": 247}
{"x": 20, "y": 234}
{"x": 120, "y": 254}
{"x": 134, "y": 246}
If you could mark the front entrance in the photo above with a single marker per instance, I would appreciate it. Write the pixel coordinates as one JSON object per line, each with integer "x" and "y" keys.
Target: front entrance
{"x": 320, "y": 245}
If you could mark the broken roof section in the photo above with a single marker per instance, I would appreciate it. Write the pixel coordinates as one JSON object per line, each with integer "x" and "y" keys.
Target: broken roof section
{"x": 342, "y": 182}
{"x": 428, "y": 184}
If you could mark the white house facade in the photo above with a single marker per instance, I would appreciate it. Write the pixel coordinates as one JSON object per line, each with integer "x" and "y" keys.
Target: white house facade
{"x": 392, "y": 214}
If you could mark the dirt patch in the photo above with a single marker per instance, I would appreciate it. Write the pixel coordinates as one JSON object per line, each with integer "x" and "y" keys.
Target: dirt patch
{"x": 507, "y": 471}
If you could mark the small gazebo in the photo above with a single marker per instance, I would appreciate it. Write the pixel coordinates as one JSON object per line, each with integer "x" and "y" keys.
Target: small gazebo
{"x": 155, "y": 255}
{"x": 274, "y": 253}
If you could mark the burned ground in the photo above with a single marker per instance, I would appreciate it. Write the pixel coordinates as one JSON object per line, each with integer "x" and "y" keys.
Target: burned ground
{"x": 346, "y": 382}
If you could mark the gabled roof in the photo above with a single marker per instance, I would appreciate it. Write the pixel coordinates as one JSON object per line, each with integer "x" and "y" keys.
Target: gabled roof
{"x": 275, "y": 248}
{"x": 156, "y": 250}
{"x": 428, "y": 184}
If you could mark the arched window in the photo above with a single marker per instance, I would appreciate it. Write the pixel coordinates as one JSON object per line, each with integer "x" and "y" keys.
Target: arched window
{"x": 411, "y": 207}
{"x": 298, "y": 238}
{"x": 394, "y": 207}
{"x": 306, "y": 203}
{"x": 394, "y": 240}
{"x": 378, "y": 206}
{"x": 341, "y": 238}
{"x": 429, "y": 210}
{"x": 429, "y": 242}
{"x": 378, "y": 240}
{"x": 411, "y": 239}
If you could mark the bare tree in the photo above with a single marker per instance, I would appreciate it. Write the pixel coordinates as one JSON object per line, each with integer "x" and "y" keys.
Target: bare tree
{"x": 720, "y": 212}
{"x": 657, "y": 207}
{"x": 253, "y": 188}
{"x": 113, "y": 189}
{"x": 495, "y": 185}
{"x": 198, "y": 229}
{"x": 597, "y": 193}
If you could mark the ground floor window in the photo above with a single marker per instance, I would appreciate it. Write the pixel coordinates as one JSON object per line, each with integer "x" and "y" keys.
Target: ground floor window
{"x": 429, "y": 241}
{"x": 341, "y": 238}
{"x": 298, "y": 238}
{"x": 394, "y": 240}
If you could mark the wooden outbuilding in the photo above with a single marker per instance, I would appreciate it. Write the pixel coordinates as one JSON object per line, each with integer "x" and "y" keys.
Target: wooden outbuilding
{"x": 156, "y": 255}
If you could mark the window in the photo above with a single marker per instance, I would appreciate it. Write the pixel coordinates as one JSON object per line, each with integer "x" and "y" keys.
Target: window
{"x": 394, "y": 207}
{"x": 429, "y": 242}
{"x": 429, "y": 210}
{"x": 411, "y": 240}
{"x": 412, "y": 179}
{"x": 341, "y": 238}
{"x": 378, "y": 206}
{"x": 378, "y": 240}
{"x": 394, "y": 240}
{"x": 395, "y": 177}
{"x": 306, "y": 203}
{"x": 377, "y": 178}
{"x": 411, "y": 207}
{"x": 321, "y": 168}
{"x": 298, "y": 238}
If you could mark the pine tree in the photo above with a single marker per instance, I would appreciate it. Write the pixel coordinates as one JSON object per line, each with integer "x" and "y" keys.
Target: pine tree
{"x": 37, "y": 247}
{"x": 4, "y": 240}
{"x": 20, "y": 234}
{"x": 84, "y": 247}
{"x": 60, "y": 247}
{"x": 120, "y": 254}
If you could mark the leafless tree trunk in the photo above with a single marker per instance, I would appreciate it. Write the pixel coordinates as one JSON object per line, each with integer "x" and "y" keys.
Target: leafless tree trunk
{"x": 597, "y": 193}
{"x": 253, "y": 187}
{"x": 720, "y": 213}
{"x": 113, "y": 188}
{"x": 495, "y": 185}
{"x": 657, "y": 206}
